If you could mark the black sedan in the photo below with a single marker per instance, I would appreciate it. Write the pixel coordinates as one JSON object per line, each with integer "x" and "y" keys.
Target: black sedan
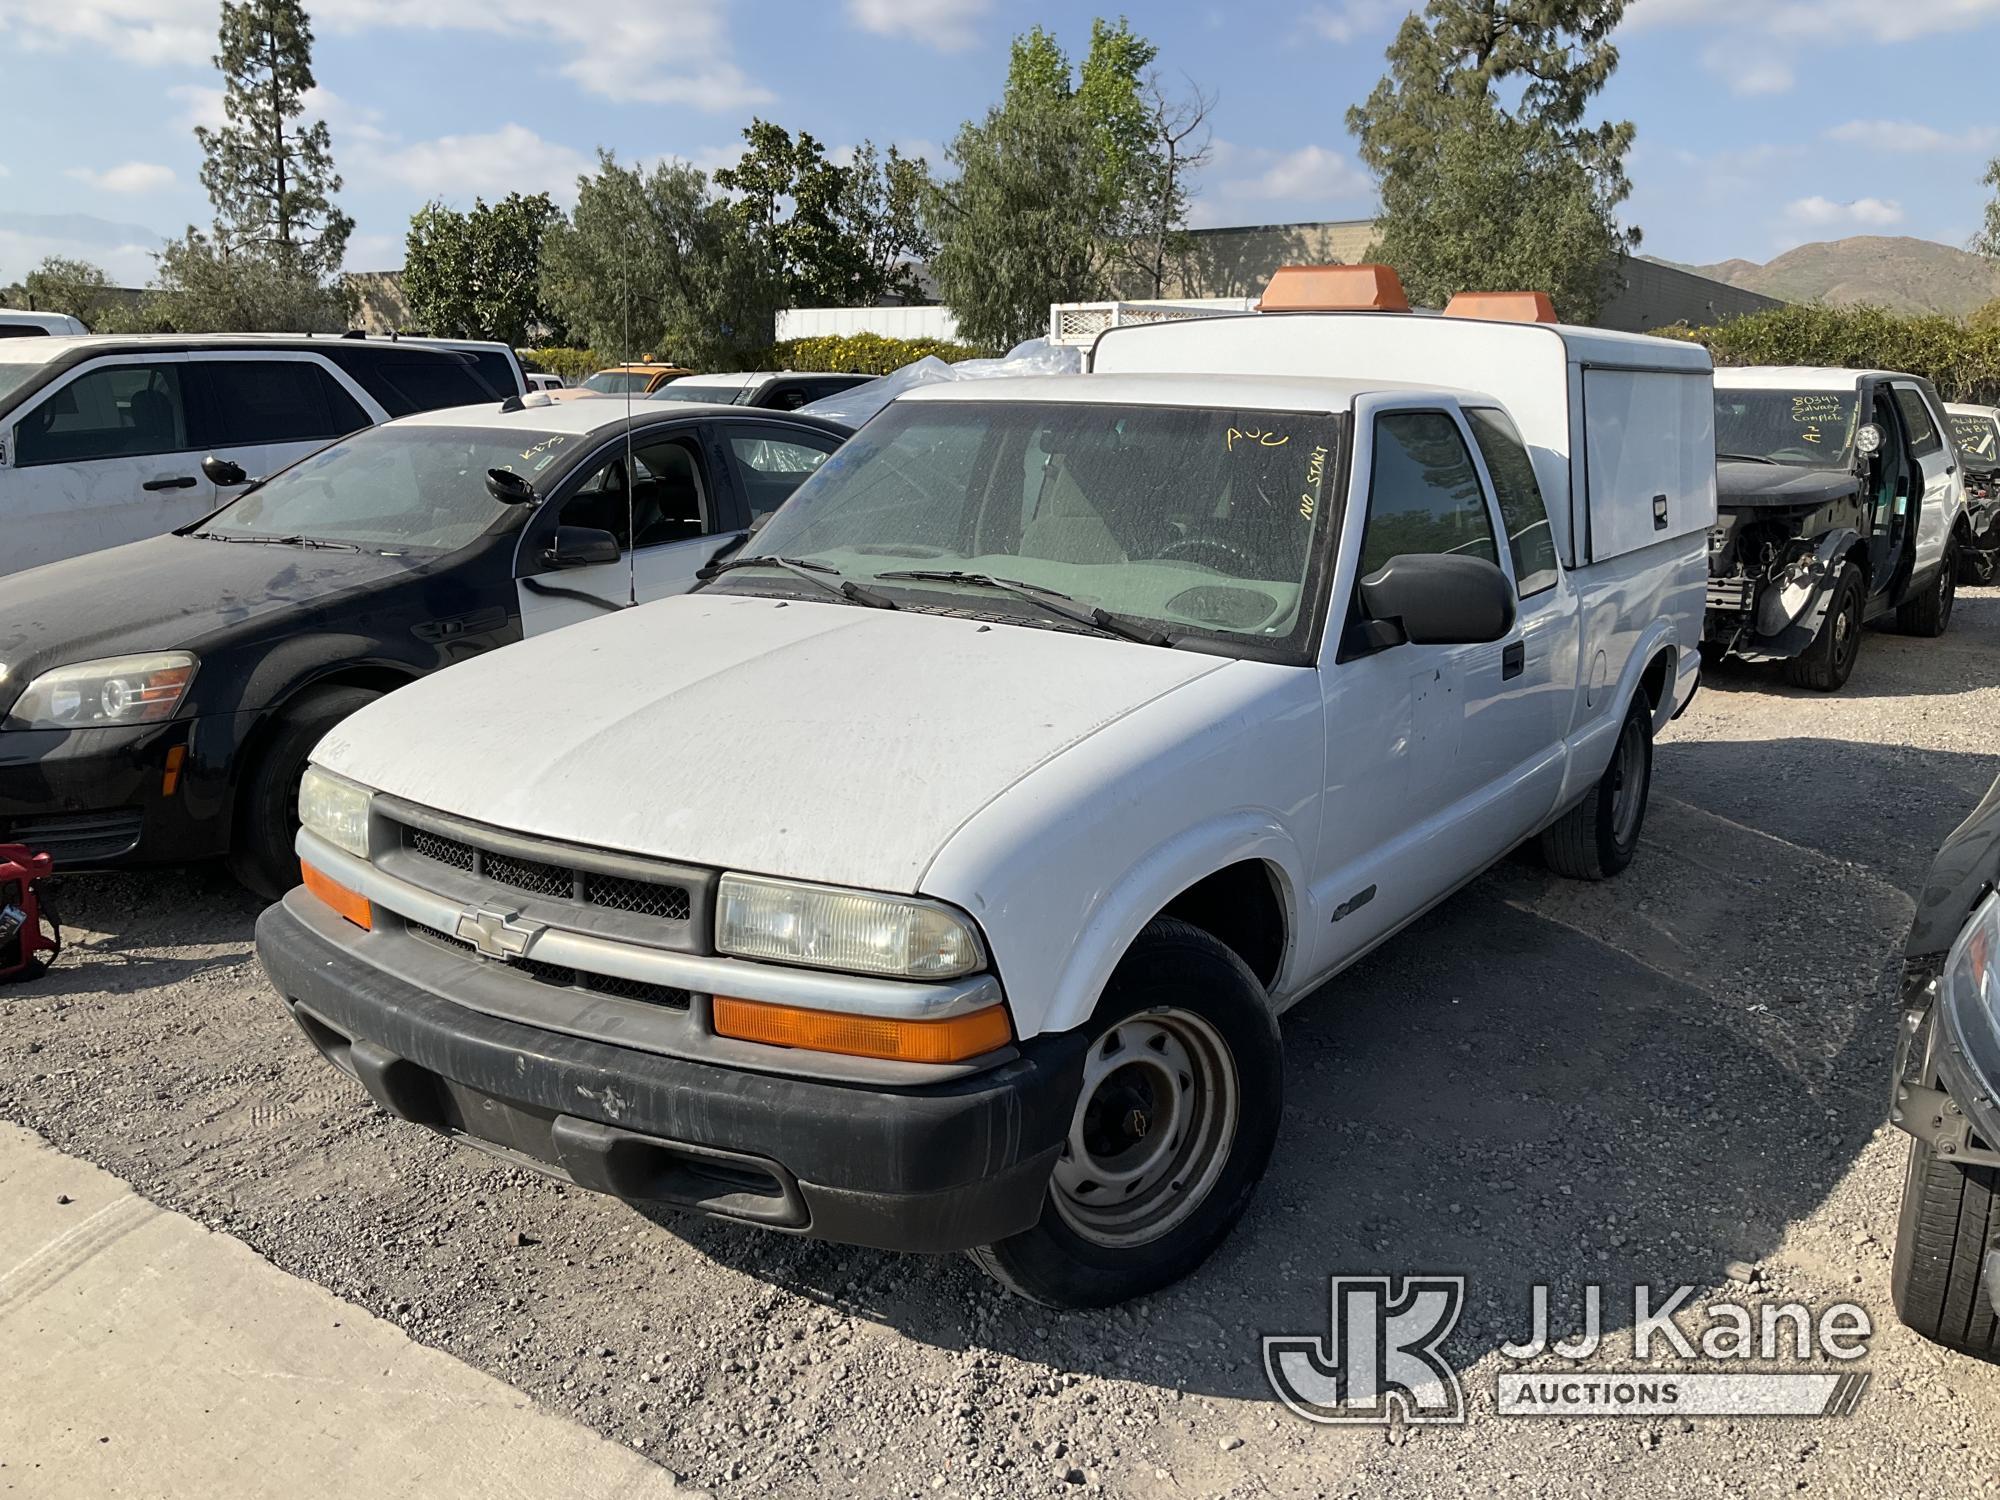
{"x": 158, "y": 700}
{"x": 1946, "y": 1273}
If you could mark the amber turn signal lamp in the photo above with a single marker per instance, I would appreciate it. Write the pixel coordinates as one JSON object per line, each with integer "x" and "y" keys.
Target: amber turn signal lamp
{"x": 170, "y": 779}
{"x": 952, "y": 1039}
{"x": 350, "y": 904}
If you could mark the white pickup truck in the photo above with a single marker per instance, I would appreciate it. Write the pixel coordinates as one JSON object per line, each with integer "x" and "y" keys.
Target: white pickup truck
{"x": 934, "y": 878}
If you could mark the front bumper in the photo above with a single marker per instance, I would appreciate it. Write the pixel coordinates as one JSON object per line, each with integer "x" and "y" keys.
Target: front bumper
{"x": 100, "y": 798}
{"x": 940, "y": 1167}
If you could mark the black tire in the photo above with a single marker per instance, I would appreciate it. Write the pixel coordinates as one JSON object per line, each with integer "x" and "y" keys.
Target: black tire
{"x": 1174, "y": 974}
{"x": 267, "y": 809}
{"x": 1828, "y": 662}
{"x": 1929, "y": 614}
{"x": 1949, "y": 1215}
{"x": 1598, "y": 837}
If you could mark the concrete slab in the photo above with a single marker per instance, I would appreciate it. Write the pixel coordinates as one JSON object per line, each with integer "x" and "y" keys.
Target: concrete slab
{"x": 141, "y": 1354}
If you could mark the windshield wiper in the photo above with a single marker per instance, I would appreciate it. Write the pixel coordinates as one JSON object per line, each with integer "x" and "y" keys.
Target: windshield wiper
{"x": 820, "y": 573}
{"x": 1047, "y": 598}
{"x": 276, "y": 541}
{"x": 1748, "y": 458}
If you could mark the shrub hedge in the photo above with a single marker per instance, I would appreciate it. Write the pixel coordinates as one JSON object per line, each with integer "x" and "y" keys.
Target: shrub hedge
{"x": 846, "y": 354}
{"x": 572, "y": 364}
{"x": 1962, "y": 359}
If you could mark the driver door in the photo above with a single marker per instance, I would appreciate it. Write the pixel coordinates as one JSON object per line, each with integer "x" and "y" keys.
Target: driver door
{"x": 660, "y": 501}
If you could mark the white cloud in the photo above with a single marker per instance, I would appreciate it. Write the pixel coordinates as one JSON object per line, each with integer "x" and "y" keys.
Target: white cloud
{"x": 636, "y": 51}
{"x": 127, "y": 257}
{"x": 948, "y": 25}
{"x": 459, "y": 168}
{"x": 199, "y": 106}
{"x": 1900, "y": 21}
{"x": 1825, "y": 213}
{"x": 1747, "y": 72}
{"x": 1259, "y": 174}
{"x": 374, "y": 252}
{"x": 127, "y": 177}
{"x": 1349, "y": 20}
{"x": 1908, "y": 136}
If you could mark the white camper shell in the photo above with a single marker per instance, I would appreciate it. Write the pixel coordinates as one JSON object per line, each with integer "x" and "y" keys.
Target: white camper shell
{"x": 1621, "y": 427}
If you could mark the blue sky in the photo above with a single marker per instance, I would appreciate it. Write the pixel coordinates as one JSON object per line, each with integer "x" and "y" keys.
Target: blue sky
{"x": 1763, "y": 124}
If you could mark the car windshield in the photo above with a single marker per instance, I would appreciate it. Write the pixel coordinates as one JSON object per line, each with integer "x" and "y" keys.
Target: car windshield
{"x": 1786, "y": 427}
{"x": 695, "y": 390}
{"x": 1209, "y": 522}
{"x": 617, "y": 382}
{"x": 401, "y": 488}
{"x": 1977, "y": 436}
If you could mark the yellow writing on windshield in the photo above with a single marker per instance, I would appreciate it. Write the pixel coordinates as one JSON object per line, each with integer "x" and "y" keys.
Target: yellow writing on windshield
{"x": 1260, "y": 436}
{"x": 1315, "y": 479}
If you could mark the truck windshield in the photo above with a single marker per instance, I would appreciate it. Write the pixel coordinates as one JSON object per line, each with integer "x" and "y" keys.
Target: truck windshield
{"x": 405, "y": 488}
{"x": 1209, "y": 522}
{"x": 618, "y": 382}
{"x": 1978, "y": 438}
{"x": 1786, "y": 427}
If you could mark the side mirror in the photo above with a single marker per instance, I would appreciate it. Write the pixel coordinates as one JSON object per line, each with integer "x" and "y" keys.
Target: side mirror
{"x": 223, "y": 474}
{"x": 1440, "y": 599}
{"x": 509, "y": 488}
{"x": 580, "y": 547}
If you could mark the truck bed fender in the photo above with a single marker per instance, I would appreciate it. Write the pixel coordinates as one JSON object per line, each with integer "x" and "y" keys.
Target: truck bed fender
{"x": 1805, "y": 593}
{"x": 1590, "y": 747}
{"x": 1156, "y": 879}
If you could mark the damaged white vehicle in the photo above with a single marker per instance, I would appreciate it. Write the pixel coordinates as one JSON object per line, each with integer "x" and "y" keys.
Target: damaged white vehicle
{"x": 934, "y": 878}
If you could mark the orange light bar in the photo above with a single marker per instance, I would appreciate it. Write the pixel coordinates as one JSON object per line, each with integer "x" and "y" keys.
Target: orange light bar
{"x": 1503, "y": 307}
{"x": 349, "y": 904}
{"x": 950, "y": 1040}
{"x": 1334, "y": 289}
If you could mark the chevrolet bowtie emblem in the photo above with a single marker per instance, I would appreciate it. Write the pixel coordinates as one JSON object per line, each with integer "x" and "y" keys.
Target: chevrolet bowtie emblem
{"x": 496, "y": 933}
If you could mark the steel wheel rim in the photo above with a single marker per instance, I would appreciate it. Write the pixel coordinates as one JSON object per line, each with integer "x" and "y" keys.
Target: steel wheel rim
{"x": 1846, "y": 635}
{"x": 1947, "y": 584}
{"x": 1152, "y": 1129}
{"x": 1628, "y": 769}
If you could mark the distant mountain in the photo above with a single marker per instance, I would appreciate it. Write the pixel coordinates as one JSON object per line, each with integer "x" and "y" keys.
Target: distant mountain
{"x": 1908, "y": 275}
{"x": 123, "y": 250}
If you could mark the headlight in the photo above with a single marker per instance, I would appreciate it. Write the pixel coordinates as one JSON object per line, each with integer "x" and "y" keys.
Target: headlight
{"x": 336, "y": 809}
{"x": 1972, "y": 971}
{"x": 856, "y": 931}
{"x": 97, "y": 694}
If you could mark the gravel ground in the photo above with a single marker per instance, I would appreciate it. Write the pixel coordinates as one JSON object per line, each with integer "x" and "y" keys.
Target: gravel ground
{"x": 1662, "y": 1079}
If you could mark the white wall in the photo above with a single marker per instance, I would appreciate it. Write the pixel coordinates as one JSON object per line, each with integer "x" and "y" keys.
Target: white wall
{"x": 890, "y": 322}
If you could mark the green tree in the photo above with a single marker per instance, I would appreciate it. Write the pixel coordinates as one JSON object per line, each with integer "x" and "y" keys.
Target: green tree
{"x": 1500, "y": 87}
{"x": 1987, "y": 241}
{"x": 656, "y": 263}
{"x": 59, "y": 284}
{"x": 840, "y": 236}
{"x": 1073, "y": 184}
{"x": 477, "y": 275}
{"x": 206, "y": 285}
{"x": 270, "y": 177}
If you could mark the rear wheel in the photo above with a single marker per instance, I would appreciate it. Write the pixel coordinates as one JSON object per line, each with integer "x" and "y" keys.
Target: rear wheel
{"x": 1950, "y": 1214}
{"x": 1929, "y": 614}
{"x": 1173, "y": 1127}
{"x": 267, "y": 816}
{"x": 1598, "y": 837}
{"x": 1828, "y": 662}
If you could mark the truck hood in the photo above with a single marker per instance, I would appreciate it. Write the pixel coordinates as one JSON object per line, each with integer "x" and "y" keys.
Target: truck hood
{"x": 817, "y": 741}
{"x": 1742, "y": 485}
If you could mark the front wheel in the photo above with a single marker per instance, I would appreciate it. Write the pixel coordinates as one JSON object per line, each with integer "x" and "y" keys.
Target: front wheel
{"x": 267, "y": 813}
{"x": 1950, "y": 1214}
{"x": 1174, "y": 1123}
{"x": 1598, "y": 837}
{"x": 1828, "y": 662}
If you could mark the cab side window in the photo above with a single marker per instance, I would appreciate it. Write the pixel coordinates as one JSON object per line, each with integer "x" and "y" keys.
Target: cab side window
{"x": 668, "y": 502}
{"x": 1424, "y": 494}
{"x": 1522, "y": 510}
{"x": 1924, "y": 439}
{"x": 114, "y": 411}
{"x": 275, "y": 401}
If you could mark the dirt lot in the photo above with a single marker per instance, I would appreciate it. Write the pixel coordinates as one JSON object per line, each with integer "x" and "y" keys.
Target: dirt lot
{"x": 1542, "y": 1082}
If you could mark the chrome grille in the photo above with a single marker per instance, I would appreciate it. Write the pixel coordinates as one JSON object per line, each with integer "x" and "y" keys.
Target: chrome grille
{"x": 641, "y": 897}
{"x": 527, "y": 875}
{"x": 444, "y": 851}
{"x": 665, "y": 900}
{"x": 561, "y": 977}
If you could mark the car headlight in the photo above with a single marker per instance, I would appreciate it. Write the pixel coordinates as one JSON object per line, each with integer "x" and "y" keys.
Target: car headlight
{"x": 1972, "y": 971}
{"x": 859, "y": 932}
{"x": 336, "y": 809}
{"x": 116, "y": 691}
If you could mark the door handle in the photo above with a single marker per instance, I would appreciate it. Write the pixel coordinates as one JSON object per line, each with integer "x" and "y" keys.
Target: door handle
{"x": 1659, "y": 512}
{"x": 1513, "y": 660}
{"x": 183, "y": 482}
